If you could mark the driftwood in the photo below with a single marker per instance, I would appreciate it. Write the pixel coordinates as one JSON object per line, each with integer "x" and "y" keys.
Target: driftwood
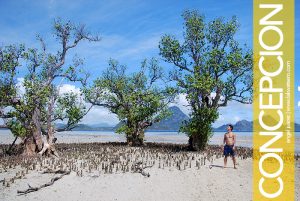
{"x": 33, "y": 189}
{"x": 49, "y": 171}
{"x": 140, "y": 169}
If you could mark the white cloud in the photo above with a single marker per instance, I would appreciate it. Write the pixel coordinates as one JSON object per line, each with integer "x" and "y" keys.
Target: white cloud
{"x": 182, "y": 103}
{"x": 66, "y": 88}
{"x": 20, "y": 86}
{"x": 100, "y": 115}
{"x": 97, "y": 114}
{"x": 237, "y": 118}
{"x": 233, "y": 113}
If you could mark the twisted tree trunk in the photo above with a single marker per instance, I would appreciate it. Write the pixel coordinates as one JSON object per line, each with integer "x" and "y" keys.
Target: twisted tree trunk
{"x": 136, "y": 138}
{"x": 37, "y": 130}
{"x": 49, "y": 147}
{"x": 195, "y": 142}
{"x": 29, "y": 145}
{"x": 33, "y": 143}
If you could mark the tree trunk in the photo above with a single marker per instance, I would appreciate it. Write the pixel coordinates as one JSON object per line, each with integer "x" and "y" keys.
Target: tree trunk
{"x": 139, "y": 141}
{"x": 37, "y": 130}
{"x": 136, "y": 138}
{"x": 30, "y": 147}
{"x": 34, "y": 144}
{"x": 194, "y": 143}
{"x": 50, "y": 134}
{"x": 191, "y": 145}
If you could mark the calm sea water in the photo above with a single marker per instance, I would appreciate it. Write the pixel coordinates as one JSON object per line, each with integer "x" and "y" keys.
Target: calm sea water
{"x": 243, "y": 138}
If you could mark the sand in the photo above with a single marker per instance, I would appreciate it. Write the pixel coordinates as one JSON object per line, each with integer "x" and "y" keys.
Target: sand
{"x": 208, "y": 182}
{"x": 163, "y": 184}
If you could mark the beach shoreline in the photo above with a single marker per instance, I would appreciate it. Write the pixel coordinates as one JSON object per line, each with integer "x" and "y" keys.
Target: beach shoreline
{"x": 105, "y": 171}
{"x": 244, "y": 139}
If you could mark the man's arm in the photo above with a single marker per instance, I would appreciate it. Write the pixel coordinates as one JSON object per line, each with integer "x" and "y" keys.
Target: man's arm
{"x": 234, "y": 140}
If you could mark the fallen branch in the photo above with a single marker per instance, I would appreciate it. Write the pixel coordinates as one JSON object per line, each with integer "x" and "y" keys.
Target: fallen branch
{"x": 49, "y": 171}
{"x": 10, "y": 147}
{"x": 33, "y": 189}
{"x": 140, "y": 169}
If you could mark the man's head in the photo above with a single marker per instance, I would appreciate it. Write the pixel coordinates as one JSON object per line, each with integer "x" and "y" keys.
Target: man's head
{"x": 229, "y": 128}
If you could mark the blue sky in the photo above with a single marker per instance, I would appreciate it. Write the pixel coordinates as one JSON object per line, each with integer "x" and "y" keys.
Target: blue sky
{"x": 130, "y": 32}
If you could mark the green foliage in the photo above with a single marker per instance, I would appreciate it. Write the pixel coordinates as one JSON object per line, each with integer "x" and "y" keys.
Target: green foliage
{"x": 135, "y": 98}
{"x": 208, "y": 61}
{"x": 198, "y": 127}
{"x": 70, "y": 107}
{"x": 39, "y": 104}
{"x": 9, "y": 61}
{"x": 17, "y": 128}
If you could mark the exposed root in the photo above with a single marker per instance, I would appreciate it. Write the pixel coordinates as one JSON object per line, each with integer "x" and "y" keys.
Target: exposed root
{"x": 11, "y": 146}
{"x": 33, "y": 189}
{"x": 47, "y": 148}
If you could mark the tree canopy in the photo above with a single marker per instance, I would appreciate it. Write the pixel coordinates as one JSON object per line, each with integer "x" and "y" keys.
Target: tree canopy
{"x": 33, "y": 112}
{"x": 137, "y": 99}
{"x": 210, "y": 67}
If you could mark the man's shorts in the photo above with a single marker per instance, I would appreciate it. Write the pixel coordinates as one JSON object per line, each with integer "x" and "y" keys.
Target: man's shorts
{"x": 228, "y": 150}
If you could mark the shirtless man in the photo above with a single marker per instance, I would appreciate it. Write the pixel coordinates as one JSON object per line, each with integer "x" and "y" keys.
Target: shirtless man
{"x": 229, "y": 142}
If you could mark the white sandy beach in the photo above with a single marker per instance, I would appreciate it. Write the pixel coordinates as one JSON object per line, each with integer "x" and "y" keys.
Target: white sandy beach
{"x": 164, "y": 184}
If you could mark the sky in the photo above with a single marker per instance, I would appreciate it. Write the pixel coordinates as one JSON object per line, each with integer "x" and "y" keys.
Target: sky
{"x": 130, "y": 32}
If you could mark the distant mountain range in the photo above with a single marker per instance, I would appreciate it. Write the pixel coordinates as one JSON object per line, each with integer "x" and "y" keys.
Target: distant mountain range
{"x": 241, "y": 126}
{"x": 171, "y": 123}
{"x": 245, "y": 126}
{"x": 297, "y": 127}
{"x": 85, "y": 127}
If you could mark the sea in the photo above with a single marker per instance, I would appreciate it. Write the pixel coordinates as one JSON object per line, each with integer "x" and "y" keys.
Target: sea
{"x": 243, "y": 138}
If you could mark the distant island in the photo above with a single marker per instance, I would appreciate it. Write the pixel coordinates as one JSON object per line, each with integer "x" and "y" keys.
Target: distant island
{"x": 171, "y": 123}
